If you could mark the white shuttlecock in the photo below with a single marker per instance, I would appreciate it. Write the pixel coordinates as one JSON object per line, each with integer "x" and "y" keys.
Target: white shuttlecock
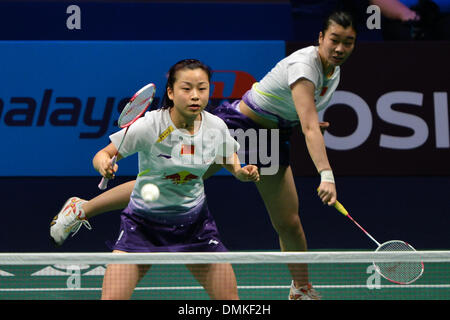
{"x": 150, "y": 192}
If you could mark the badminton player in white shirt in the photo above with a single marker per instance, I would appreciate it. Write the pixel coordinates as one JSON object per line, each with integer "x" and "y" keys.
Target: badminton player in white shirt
{"x": 292, "y": 93}
{"x": 176, "y": 145}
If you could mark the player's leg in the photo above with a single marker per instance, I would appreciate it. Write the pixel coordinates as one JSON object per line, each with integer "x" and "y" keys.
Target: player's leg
{"x": 116, "y": 198}
{"x": 281, "y": 200}
{"x": 121, "y": 279}
{"x": 218, "y": 279}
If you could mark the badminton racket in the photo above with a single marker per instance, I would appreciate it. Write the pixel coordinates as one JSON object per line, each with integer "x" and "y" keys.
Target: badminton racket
{"x": 132, "y": 111}
{"x": 396, "y": 272}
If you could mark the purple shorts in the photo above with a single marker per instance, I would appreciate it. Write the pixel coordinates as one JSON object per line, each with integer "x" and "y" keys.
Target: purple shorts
{"x": 236, "y": 120}
{"x": 142, "y": 234}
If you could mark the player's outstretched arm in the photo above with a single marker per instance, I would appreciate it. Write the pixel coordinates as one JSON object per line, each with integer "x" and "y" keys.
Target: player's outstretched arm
{"x": 303, "y": 96}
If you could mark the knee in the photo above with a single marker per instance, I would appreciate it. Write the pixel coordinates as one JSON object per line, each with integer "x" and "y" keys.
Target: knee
{"x": 288, "y": 224}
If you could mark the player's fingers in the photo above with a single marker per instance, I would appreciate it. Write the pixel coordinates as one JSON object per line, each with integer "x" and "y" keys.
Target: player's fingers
{"x": 109, "y": 174}
{"x": 332, "y": 200}
{"x": 321, "y": 192}
{"x": 326, "y": 198}
{"x": 251, "y": 170}
{"x": 325, "y": 195}
{"x": 106, "y": 164}
{"x": 256, "y": 171}
{"x": 256, "y": 176}
{"x": 108, "y": 171}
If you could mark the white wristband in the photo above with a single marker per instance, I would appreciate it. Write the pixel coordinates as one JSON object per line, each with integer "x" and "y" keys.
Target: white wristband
{"x": 326, "y": 176}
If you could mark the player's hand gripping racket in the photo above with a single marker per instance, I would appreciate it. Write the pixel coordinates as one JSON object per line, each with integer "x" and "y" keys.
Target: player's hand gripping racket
{"x": 397, "y": 272}
{"x": 132, "y": 111}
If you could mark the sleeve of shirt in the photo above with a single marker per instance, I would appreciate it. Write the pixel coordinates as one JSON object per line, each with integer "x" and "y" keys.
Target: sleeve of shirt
{"x": 299, "y": 70}
{"x": 227, "y": 145}
{"x": 141, "y": 136}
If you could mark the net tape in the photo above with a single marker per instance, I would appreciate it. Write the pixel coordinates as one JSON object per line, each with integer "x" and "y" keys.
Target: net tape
{"x": 224, "y": 257}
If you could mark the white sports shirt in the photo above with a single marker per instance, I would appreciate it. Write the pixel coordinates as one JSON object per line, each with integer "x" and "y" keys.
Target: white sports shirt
{"x": 173, "y": 159}
{"x": 273, "y": 92}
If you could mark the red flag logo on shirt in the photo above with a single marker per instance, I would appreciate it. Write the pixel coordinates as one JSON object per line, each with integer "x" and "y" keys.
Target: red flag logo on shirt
{"x": 187, "y": 149}
{"x": 324, "y": 90}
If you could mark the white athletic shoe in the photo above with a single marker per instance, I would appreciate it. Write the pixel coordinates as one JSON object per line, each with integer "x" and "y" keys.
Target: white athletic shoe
{"x": 68, "y": 220}
{"x": 306, "y": 292}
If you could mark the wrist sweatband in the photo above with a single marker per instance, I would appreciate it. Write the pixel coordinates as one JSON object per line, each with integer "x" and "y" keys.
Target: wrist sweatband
{"x": 326, "y": 176}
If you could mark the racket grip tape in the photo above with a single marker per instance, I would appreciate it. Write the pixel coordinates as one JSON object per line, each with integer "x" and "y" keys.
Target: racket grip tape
{"x": 339, "y": 207}
{"x": 104, "y": 182}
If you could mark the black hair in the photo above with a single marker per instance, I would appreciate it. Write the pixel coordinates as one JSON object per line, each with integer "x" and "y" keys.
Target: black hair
{"x": 190, "y": 64}
{"x": 342, "y": 18}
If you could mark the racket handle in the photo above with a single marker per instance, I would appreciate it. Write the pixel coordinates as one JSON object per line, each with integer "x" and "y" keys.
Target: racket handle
{"x": 104, "y": 183}
{"x": 339, "y": 207}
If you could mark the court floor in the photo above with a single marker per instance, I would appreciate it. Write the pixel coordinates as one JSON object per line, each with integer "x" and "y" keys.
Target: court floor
{"x": 338, "y": 281}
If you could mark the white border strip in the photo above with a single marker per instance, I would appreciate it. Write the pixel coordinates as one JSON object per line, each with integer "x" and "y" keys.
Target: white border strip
{"x": 338, "y": 286}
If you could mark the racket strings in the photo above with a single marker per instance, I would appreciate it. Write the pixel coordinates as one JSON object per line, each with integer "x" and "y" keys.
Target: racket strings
{"x": 136, "y": 106}
{"x": 399, "y": 272}
{"x": 134, "y": 109}
{"x": 129, "y": 113}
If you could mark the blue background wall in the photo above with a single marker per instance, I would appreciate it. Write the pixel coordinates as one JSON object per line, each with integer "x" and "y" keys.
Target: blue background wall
{"x": 39, "y": 171}
{"x": 70, "y": 93}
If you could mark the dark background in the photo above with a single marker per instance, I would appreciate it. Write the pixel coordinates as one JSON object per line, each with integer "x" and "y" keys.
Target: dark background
{"x": 413, "y": 209}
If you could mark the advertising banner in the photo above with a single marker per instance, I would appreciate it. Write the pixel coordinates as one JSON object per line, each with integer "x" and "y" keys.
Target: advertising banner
{"x": 59, "y": 101}
{"x": 390, "y": 113}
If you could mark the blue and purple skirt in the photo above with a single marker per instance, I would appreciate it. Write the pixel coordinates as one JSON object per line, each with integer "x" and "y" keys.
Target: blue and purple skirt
{"x": 144, "y": 234}
{"x": 234, "y": 119}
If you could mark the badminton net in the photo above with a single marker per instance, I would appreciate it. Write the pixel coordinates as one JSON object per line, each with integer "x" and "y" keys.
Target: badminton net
{"x": 336, "y": 275}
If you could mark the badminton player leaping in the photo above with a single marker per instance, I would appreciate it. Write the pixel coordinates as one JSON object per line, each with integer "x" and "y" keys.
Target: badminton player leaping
{"x": 176, "y": 145}
{"x": 292, "y": 92}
